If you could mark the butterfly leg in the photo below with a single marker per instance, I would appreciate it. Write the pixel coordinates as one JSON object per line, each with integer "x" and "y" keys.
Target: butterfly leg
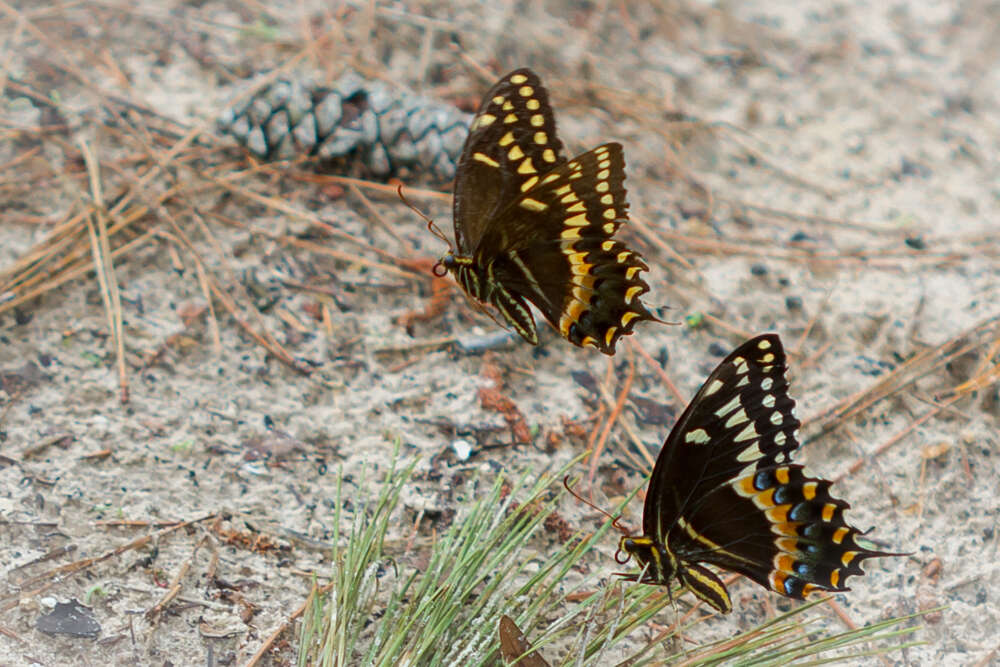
{"x": 706, "y": 586}
{"x": 515, "y": 310}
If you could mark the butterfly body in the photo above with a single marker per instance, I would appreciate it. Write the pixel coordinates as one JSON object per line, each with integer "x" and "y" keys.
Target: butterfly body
{"x": 534, "y": 227}
{"x": 724, "y": 492}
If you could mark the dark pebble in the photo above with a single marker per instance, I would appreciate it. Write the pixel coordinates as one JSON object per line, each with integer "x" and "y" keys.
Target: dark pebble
{"x": 718, "y": 350}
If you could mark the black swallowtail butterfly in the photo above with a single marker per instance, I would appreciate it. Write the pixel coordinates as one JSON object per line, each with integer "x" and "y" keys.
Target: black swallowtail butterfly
{"x": 531, "y": 225}
{"x": 724, "y": 492}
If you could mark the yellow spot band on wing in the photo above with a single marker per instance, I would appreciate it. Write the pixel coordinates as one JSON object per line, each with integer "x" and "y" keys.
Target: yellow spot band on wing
{"x": 628, "y": 317}
{"x": 533, "y": 205}
{"x": 569, "y": 197}
{"x": 526, "y": 167}
{"x": 485, "y": 159}
{"x": 609, "y": 336}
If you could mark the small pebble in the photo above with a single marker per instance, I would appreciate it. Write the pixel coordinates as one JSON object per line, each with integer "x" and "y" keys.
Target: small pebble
{"x": 718, "y": 350}
{"x": 478, "y": 344}
{"x": 462, "y": 448}
{"x": 585, "y": 380}
{"x": 69, "y": 618}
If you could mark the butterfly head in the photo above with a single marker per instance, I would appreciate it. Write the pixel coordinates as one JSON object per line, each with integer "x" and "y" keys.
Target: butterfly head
{"x": 456, "y": 264}
{"x": 658, "y": 563}
{"x": 444, "y": 265}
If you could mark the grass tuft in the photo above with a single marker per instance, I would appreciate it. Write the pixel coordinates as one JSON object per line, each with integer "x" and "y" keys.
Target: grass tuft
{"x": 441, "y": 601}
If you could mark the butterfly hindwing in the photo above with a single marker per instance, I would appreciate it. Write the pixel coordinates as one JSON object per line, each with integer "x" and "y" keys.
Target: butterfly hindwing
{"x": 560, "y": 254}
{"x": 723, "y": 491}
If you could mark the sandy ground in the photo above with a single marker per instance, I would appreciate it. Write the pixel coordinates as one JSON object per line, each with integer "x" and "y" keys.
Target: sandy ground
{"x": 840, "y": 187}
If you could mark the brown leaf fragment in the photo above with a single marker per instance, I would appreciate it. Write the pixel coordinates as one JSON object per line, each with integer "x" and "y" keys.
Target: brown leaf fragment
{"x": 492, "y": 398}
{"x": 514, "y": 645}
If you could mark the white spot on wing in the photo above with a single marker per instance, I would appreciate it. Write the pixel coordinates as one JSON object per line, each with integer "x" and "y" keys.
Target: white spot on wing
{"x": 713, "y": 387}
{"x": 728, "y": 407}
{"x": 697, "y": 437}
{"x": 738, "y": 418}
{"x": 748, "y": 433}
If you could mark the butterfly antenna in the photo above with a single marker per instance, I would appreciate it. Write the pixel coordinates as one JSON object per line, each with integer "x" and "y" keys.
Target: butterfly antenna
{"x": 615, "y": 520}
{"x": 434, "y": 229}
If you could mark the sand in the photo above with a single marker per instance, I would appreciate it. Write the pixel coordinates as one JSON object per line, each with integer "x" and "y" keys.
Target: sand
{"x": 828, "y": 173}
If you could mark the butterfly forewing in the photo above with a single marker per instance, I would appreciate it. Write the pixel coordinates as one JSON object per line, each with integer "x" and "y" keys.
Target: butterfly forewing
{"x": 723, "y": 491}
{"x": 741, "y": 416}
{"x": 511, "y": 140}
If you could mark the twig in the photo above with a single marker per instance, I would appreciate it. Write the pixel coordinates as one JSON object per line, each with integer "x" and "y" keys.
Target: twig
{"x": 678, "y": 396}
{"x": 105, "y": 267}
{"x": 54, "y": 575}
{"x": 915, "y": 368}
{"x": 287, "y": 623}
{"x": 858, "y": 463}
{"x": 616, "y": 409}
